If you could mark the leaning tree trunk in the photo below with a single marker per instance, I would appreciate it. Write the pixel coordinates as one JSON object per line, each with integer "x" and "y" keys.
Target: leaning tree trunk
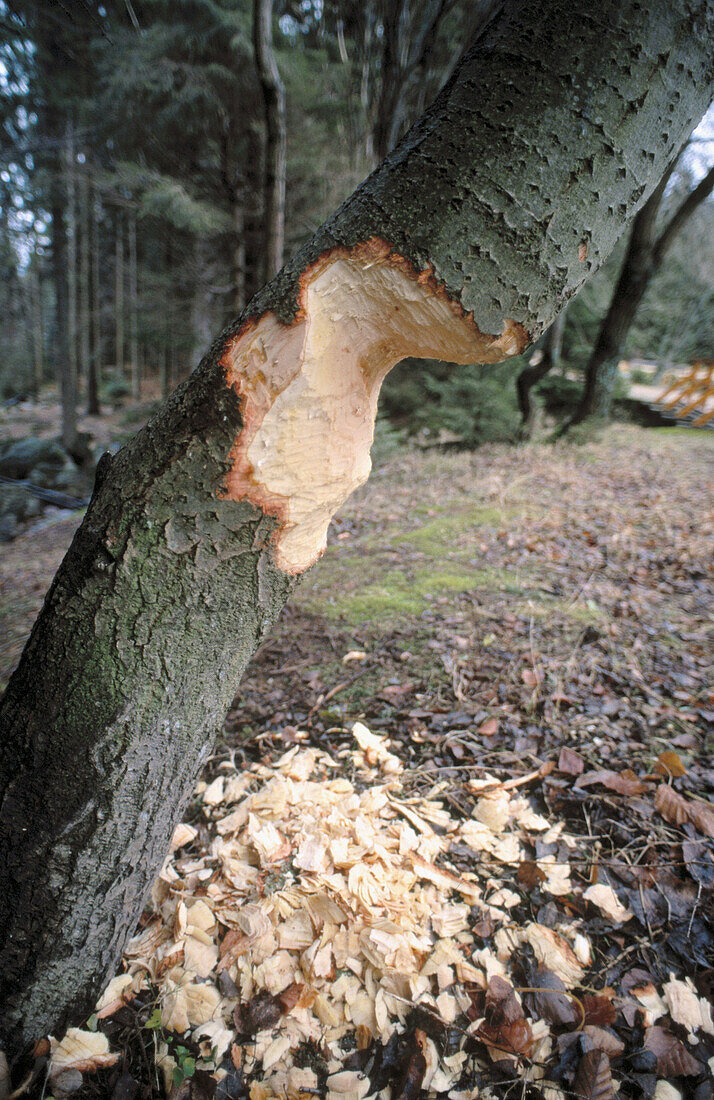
{"x": 462, "y": 245}
{"x": 643, "y": 258}
{"x": 276, "y": 135}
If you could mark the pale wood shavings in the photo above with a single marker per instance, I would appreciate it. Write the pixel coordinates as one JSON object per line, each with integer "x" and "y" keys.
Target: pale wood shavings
{"x": 331, "y": 910}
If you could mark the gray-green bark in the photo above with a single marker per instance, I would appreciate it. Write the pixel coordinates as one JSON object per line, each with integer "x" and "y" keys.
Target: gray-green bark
{"x": 168, "y": 587}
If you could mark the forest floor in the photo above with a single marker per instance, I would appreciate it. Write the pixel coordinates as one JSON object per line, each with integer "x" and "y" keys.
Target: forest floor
{"x": 539, "y": 614}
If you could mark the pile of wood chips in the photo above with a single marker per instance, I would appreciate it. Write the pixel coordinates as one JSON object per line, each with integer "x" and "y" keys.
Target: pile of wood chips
{"x": 314, "y": 924}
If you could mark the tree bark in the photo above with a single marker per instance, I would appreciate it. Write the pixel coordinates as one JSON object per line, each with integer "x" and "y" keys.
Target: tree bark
{"x": 119, "y": 295}
{"x": 134, "y": 311}
{"x": 461, "y": 246}
{"x": 95, "y": 357}
{"x": 274, "y": 100}
{"x": 38, "y": 327}
{"x": 645, "y": 252}
{"x": 68, "y": 384}
{"x": 85, "y": 289}
{"x": 544, "y": 359}
{"x": 60, "y": 279}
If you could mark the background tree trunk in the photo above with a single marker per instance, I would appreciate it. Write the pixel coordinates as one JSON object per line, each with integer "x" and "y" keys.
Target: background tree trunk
{"x": 70, "y": 388}
{"x": 274, "y": 99}
{"x": 60, "y": 256}
{"x": 134, "y": 311}
{"x": 95, "y": 358}
{"x": 119, "y": 295}
{"x": 544, "y": 359}
{"x": 645, "y": 251}
{"x": 187, "y": 552}
{"x": 38, "y": 328}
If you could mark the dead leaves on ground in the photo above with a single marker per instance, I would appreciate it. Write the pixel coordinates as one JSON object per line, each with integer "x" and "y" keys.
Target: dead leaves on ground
{"x": 327, "y": 915}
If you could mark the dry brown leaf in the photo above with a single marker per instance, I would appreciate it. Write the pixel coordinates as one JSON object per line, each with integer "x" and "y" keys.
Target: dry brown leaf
{"x": 604, "y": 1040}
{"x": 593, "y": 1080}
{"x": 673, "y": 807}
{"x": 669, "y": 764}
{"x": 625, "y": 782}
{"x": 678, "y": 810}
{"x": 530, "y": 874}
{"x": 599, "y": 1009}
{"x": 673, "y": 1058}
{"x": 549, "y": 1002}
{"x": 570, "y": 762}
{"x": 489, "y": 727}
{"x": 701, "y": 815}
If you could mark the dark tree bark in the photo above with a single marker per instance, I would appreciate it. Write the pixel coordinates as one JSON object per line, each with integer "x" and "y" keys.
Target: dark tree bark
{"x": 462, "y": 246}
{"x": 276, "y": 135}
{"x": 544, "y": 359}
{"x": 646, "y": 249}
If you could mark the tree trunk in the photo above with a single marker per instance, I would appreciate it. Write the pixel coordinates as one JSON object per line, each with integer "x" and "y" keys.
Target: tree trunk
{"x": 70, "y": 388}
{"x": 462, "y": 246}
{"x": 544, "y": 359}
{"x": 274, "y": 100}
{"x": 95, "y": 358}
{"x": 119, "y": 296}
{"x": 134, "y": 311}
{"x": 38, "y": 328}
{"x": 60, "y": 255}
{"x": 643, "y": 258}
{"x": 85, "y": 289}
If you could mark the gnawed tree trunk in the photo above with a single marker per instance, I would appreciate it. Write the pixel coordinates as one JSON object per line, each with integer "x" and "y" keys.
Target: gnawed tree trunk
{"x": 461, "y": 246}
{"x": 276, "y": 138}
{"x": 543, "y": 360}
{"x": 646, "y": 250}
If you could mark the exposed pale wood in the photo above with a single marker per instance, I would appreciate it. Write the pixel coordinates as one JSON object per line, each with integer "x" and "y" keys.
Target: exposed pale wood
{"x": 310, "y": 389}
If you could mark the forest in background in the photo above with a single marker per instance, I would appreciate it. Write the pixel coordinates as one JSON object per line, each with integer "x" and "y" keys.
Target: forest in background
{"x": 132, "y": 209}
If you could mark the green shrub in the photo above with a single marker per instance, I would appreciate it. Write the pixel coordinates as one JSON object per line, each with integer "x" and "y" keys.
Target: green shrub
{"x": 461, "y": 405}
{"x": 115, "y": 390}
{"x": 560, "y": 395}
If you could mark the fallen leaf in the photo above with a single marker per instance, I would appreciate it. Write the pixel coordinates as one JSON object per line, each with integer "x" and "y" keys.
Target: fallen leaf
{"x": 570, "y": 762}
{"x": 669, "y": 764}
{"x": 593, "y": 1080}
{"x": 678, "y": 810}
{"x": 489, "y": 727}
{"x": 531, "y": 677}
{"x": 549, "y": 1002}
{"x": 599, "y": 1009}
{"x": 625, "y": 782}
{"x": 85, "y": 1051}
{"x": 673, "y": 1058}
{"x": 530, "y": 874}
{"x": 604, "y": 1040}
